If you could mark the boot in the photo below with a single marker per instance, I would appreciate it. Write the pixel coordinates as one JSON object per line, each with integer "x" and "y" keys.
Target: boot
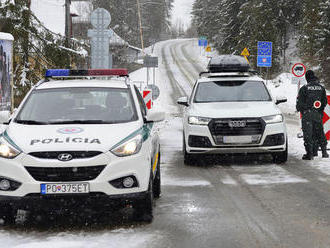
{"x": 315, "y": 152}
{"x": 324, "y": 152}
{"x": 307, "y": 156}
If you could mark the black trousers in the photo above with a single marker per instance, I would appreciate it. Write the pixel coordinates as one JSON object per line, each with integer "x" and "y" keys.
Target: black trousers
{"x": 312, "y": 128}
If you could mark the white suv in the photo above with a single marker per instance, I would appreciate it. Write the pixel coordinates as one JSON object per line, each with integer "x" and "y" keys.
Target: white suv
{"x": 231, "y": 111}
{"x": 89, "y": 141}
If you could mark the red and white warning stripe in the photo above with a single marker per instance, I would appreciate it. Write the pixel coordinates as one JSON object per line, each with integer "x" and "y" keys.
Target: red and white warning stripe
{"x": 326, "y": 119}
{"x": 147, "y": 96}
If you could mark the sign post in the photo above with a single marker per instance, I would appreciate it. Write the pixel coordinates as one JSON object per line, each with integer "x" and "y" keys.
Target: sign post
{"x": 265, "y": 49}
{"x": 150, "y": 62}
{"x": 100, "y": 39}
{"x": 264, "y": 59}
{"x": 298, "y": 70}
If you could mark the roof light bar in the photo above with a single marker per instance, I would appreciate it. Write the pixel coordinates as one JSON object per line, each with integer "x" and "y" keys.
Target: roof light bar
{"x": 84, "y": 73}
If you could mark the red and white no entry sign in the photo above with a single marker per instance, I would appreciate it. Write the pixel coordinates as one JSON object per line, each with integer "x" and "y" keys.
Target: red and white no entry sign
{"x": 299, "y": 70}
{"x": 326, "y": 121}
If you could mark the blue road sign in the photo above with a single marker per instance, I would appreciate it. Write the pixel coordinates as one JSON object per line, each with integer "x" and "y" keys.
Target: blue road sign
{"x": 264, "y": 61}
{"x": 202, "y": 43}
{"x": 265, "y": 49}
{"x": 205, "y": 43}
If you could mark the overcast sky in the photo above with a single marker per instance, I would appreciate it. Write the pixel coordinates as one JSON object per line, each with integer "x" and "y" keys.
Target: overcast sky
{"x": 181, "y": 11}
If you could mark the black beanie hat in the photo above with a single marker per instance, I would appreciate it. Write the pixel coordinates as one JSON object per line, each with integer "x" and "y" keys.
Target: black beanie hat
{"x": 309, "y": 75}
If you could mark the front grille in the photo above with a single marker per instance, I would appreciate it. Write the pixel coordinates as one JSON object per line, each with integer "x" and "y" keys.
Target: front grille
{"x": 66, "y": 174}
{"x": 221, "y": 127}
{"x": 75, "y": 154}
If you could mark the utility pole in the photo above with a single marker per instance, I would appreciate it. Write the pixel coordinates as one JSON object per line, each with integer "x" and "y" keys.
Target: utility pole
{"x": 67, "y": 21}
{"x": 140, "y": 23}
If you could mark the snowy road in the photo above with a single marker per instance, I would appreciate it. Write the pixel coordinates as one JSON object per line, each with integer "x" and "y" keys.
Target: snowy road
{"x": 228, "y": 202}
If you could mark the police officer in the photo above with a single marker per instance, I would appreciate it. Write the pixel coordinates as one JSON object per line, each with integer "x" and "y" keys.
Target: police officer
{"x": 311, "y": 101}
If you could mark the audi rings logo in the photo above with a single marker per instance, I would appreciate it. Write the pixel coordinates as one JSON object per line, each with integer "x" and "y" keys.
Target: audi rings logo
{"x": 70, "y": 130}
{"x": 237, "y": 123}
{"x": 64, "y": 157}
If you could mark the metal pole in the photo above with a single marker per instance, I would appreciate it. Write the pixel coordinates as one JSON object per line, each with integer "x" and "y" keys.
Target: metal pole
{"x": 154, "y": 75}
{"x": 147, "y": 75}
{"x": 140, "y": 24}
{"x": 67, "y": 20}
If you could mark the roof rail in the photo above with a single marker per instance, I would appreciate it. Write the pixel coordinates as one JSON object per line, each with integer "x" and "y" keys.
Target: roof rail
{"x": 228, "y": 73}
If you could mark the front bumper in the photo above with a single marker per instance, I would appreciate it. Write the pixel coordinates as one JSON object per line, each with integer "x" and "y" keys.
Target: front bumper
{"x": 138, "y": 166}
{"x": 209, "y": 145}
{"x": 95, "y": 200}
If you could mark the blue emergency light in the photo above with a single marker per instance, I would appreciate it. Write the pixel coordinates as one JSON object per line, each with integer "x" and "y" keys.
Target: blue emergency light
{"x": 84, "y": 73}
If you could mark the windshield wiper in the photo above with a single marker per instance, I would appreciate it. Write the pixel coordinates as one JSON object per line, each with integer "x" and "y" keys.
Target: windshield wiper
{"x": 80, "y": 122}
{"x": 31, "y": 122}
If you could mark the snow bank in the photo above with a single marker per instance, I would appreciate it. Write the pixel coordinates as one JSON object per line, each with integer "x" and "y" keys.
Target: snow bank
{"x": 6, "y": 36}
{"x": 283, "y": 86}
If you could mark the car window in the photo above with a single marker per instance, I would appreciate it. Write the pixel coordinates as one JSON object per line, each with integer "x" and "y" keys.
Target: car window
{"x": 141, "y": 101}
{"x": 231, "y": 91}
{"x": 63, "y": 105}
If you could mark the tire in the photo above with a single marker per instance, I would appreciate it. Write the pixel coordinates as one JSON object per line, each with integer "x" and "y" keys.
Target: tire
{"x": 7, "y": 216}
{"x": 157, "y": 181}
{"x": 143, "y": 209}
{"x": 188, "y": 159}
{"x": 281, "y": 157}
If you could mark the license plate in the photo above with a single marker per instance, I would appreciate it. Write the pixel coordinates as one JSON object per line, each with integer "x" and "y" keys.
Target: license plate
{"x": 64, "y": 188}
{"x": 237, "y": 139}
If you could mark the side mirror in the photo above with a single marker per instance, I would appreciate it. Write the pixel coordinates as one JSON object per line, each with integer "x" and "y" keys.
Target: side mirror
{"x": 280, "y": 99}
{"x": 155, "y": 116}
{"x": 4, "y": 116}
{"x": 183, "y": 101}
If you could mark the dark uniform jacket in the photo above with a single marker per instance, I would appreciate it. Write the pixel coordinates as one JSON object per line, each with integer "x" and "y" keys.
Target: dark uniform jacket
{"x": 309, "y": 95}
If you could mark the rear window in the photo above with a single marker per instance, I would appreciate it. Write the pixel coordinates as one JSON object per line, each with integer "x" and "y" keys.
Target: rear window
{"x": 231, "y": 91}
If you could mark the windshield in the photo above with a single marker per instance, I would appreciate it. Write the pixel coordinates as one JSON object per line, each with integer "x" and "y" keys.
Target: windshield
{"x": 231, "y": 91}
{"x": 78, "y": 105}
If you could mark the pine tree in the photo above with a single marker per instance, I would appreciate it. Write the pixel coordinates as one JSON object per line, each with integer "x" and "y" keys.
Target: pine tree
{"x": 324, "y": 36}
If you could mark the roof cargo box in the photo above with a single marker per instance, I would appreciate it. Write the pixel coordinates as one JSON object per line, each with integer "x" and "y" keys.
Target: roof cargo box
{"x": 228, "y": 63}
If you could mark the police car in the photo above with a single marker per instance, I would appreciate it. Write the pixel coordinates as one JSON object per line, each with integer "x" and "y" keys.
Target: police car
{"x": 231, "y": 111}
{"x": 89, "y": 141}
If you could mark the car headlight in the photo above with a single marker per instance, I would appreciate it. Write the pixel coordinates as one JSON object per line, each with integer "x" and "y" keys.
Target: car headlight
{"x": 130, "y": 147}
{"x": 195, "y": 120}
{"x": 273, "y": 119}
{"x": 7, "y": 150}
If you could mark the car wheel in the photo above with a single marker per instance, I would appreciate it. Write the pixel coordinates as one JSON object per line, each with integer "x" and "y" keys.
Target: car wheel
{"x": 188, "y": 159}
{"x": 281, "y": 157}
{"x": 157, "y": 180}
{"x": 143, "y": 208}
{"x": 7, "y": 216}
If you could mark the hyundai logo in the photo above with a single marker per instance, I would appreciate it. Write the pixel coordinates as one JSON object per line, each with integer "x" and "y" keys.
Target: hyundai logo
{"x": 64, "y": 157}
{"x": 237, "y": 123}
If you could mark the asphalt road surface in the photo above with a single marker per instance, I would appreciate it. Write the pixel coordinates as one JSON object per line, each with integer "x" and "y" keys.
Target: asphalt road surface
{"x": 236, "y": 201}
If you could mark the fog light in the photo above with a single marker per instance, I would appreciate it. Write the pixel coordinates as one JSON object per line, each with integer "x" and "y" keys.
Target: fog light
{"x": 4, "y": 184}
{"x": 128, "y": 182}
